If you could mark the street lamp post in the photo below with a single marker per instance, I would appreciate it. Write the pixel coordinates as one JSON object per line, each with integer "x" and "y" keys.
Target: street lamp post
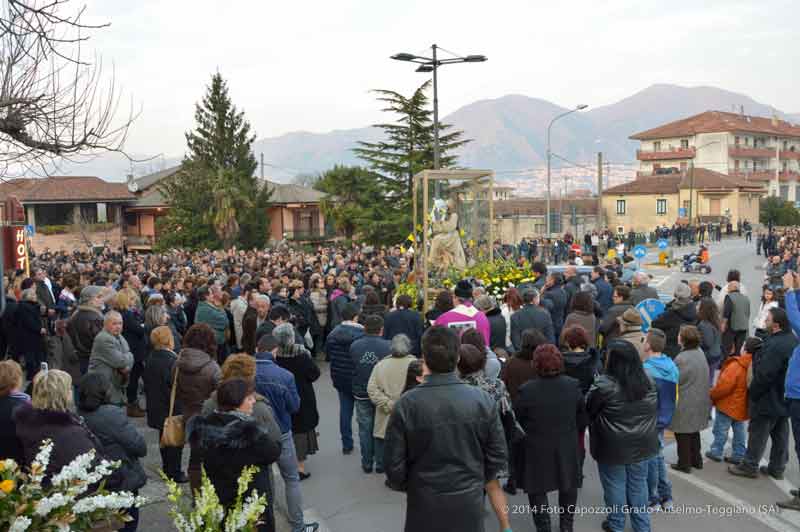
{"x": 549, "y": 156}
{"x": 432, "y": 64}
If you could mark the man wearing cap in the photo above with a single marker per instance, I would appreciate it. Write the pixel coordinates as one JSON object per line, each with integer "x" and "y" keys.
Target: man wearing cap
{"x": 680, "y": 311}
{"x": 531, "y": 316}
{"x": 86, "y": 323}
{"x": 465, "y": 315}
{"x": 630, "y": 329}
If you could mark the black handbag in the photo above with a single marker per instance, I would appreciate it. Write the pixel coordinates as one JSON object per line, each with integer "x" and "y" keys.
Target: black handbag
{"x": 513, "y": 430}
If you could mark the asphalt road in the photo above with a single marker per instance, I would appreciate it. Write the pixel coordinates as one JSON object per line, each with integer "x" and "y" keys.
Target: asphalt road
{"x": 347, "y": 500}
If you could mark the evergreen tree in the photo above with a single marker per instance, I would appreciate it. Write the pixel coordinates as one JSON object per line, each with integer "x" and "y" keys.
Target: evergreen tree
{"x": 408, "y": 144}
{"x": 215, "y": 199}
{"x": 357, "y": 205}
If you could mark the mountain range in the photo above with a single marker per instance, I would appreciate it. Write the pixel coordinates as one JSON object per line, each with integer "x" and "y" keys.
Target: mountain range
{"x": 508, "y": 133}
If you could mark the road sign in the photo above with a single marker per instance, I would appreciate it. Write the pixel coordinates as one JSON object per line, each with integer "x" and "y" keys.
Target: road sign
{"x": 682, "y": 212}
{"x": 639, "y": 252}
{"x": 30, "y": 230}
{"x": 650, "y": 309}
{"x": 663, "y": 243}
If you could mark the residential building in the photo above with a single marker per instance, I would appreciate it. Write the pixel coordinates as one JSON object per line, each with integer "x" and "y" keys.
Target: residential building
{"x": 654, "y": 200}
{"x": 748, "y": 148}
{"x": 294, "y": 212}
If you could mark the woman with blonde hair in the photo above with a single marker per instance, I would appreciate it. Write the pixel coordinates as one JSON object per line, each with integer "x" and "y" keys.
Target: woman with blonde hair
{"x": 50, "y": 417}
{"x": 134, "y": 333}
{"x": 319, "y": 300}
{"x": 157, "y": 388}
{"x": 11, "y": 398}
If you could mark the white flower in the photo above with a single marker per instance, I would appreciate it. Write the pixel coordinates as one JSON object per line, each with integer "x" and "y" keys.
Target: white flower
{"x": 78, "y": 469}
{"x": 112, "y": 501}
{"x": 48, "y": 504}
{"x": 20, "y": 524}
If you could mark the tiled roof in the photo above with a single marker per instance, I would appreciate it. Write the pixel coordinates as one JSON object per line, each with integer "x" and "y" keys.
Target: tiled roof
{"x": 704, "y": 179}
{"x": 65, "y": 189}
{"x": 718, "y": 121}
{"x": 535, "y": 206}
{"x": 149, "y": 180}
{"x": 657, "y": 184}
{"x": 287, "y": 193}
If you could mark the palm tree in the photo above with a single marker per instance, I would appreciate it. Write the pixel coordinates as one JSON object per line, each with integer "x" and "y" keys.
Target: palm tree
{"x": 228, "y": 201}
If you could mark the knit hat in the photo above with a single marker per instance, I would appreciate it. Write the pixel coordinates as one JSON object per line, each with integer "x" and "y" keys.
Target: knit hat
{"x": 463, "y": 289}
{"x": 632, "y": 317}
{"x": 89, "y": 293}
{"x": 683, "y": 292}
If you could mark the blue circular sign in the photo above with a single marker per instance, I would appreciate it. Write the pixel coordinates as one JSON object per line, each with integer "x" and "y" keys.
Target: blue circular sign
{"x": 662, "y": 243}
{"x": 639, "y": 252}
{"x": 650, "y": 309}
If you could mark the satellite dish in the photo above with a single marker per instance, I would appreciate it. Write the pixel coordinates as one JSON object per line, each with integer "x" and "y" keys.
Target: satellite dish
{"x": 133, "y": 186}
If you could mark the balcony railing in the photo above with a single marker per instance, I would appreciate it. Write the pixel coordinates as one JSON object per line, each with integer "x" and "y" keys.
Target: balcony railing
{"x": 661, "y": 155}
{"x": 790, "y": 155}
{"x": 657, "y": 173}
{"x": 759, "y": 175}
{"x": 306, "y": 235}
{"x": 139, "y": 241}
{"x": 762, "y": 152}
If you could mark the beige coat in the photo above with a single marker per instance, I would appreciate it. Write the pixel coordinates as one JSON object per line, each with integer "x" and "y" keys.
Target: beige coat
{"x": 385, "y": 387}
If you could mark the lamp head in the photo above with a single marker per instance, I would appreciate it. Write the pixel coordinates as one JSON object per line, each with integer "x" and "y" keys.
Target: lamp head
{"x": 404, "y": 57}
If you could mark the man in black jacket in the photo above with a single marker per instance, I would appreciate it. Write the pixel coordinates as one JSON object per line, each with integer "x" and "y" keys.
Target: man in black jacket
{"x": 531, "y": 316}
{"x": 406, "y": 321}
{"x": 556, "y": 300}
{"x": 769, "y": 411}
{"x": 446, "y": 424}
{"x": 621, "y": 297}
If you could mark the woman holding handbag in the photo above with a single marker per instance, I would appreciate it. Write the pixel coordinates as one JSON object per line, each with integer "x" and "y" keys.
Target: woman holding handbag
{"x": 196, "y": 374}
{"x": 159, "y": 387}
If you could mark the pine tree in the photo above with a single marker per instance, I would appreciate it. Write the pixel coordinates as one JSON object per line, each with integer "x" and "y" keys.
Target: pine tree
{"x": 408, "y": 145}
{"x": 215, "y": 199}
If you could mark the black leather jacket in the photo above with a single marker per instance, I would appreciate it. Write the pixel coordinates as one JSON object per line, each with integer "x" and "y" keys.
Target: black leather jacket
{"x": 622, "y": 432}
{"x": 444, "y": 441}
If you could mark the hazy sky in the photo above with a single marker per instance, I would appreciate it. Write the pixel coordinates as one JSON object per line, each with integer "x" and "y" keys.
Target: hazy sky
{"x": 310, "y": 65}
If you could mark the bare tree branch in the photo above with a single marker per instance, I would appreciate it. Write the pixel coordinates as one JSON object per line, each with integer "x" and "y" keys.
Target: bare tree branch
{"x": 54, "y": 105}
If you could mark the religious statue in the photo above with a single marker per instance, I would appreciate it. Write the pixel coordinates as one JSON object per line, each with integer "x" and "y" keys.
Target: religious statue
{"x": 446, "y": 249}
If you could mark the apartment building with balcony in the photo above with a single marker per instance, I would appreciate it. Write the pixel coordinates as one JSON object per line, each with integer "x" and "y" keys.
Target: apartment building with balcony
{"x": 749, "y": 148}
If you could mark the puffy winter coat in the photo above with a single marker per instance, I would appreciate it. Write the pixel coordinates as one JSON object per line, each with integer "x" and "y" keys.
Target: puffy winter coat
{"x": 337, "y": 347}
{"x": 729, "y": 394}
{"x": 121, "y": 441}
{"x": 676, "y": 315}
{"x": 198, "y": 376}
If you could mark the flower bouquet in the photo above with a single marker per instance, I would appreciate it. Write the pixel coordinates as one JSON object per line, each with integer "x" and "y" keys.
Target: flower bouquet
{"x": 495, "y": 276}
{"x": 208, "y": 514}
{"x": 66, "y": 503}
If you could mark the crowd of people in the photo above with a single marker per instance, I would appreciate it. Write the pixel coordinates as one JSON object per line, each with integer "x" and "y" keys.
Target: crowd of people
{"x": 478, "y": 398}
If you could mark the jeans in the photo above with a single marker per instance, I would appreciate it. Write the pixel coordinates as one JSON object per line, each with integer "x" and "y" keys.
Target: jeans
{"x": 794, "y": 415}
{"x": 287, "y": 463}
{"x": 365, "y": 414}
{"x": 722, "y": 424}
{"x": 346, "y": 405}
{"x": 133, "y": 382}
{"x": 777, "y": 430}
{"x": 625, "y": 492}
{"x": 659, "y": 488}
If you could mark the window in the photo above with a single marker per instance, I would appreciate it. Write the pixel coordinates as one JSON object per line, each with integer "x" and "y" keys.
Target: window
{"x": 661, "y": 207}
{"x": 736, "y": 164}
{"x": 684, "y": 166}
{"x": 737, "y": 140}
{"x": 686, "y": 204}
{"x": 620, "y": 206}
{"x": 657, "y": 145}
{"x": 684, "y": 144}
{"x": 747, "y": 141}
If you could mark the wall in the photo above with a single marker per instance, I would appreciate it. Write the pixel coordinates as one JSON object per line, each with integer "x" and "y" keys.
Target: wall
{"x": 512, "y": 229}
{"x": 72, "y": 241}
{"x": 640, "y": 211}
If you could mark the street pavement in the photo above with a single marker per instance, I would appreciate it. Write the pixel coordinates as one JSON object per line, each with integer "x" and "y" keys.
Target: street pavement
{"x": 345, "y": 499}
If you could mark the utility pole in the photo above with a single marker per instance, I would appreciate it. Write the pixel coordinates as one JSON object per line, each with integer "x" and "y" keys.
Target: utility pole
{"x": 599, "y": 191}
{"x": 262, "y": 165}
{"x": 691, "y": 189}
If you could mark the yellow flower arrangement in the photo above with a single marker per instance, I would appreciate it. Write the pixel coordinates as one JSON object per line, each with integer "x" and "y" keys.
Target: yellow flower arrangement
{"x": 7, "y": 486}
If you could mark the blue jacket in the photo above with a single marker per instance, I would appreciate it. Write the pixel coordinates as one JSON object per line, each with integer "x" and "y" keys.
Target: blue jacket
{"x": 365, "y": 353}
{"x": 792, "y": 384}
{"x": 604, "y": 292}
{"x": 277, "y": 385}
{"x": 337, "y": 347}
{"x": 665, "y": 374}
